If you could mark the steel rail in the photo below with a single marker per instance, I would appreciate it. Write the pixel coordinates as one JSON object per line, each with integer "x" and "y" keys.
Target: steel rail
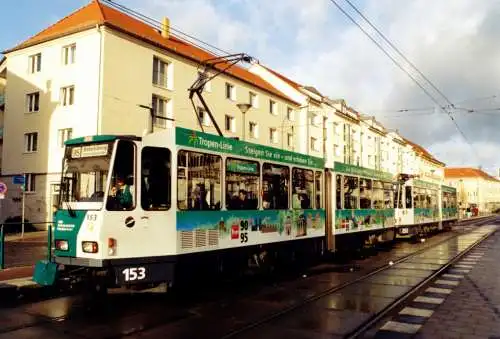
{"x": 342, "y": 286}
{"x": 368, "y": 324}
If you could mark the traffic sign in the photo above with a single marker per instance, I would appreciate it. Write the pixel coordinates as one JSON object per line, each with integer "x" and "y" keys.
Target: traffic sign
{"x": 3, "y": 188}
{"x": 18, "y": 179}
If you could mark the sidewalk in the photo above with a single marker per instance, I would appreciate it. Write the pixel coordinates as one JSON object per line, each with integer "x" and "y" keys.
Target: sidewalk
{"x": 463, "y": 302}
{"x": 472, "y": 309}
{"x": 28, "y": 236}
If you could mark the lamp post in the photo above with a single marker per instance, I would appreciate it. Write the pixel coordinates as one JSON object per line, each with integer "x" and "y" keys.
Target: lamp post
{"x": 244, "y": 107}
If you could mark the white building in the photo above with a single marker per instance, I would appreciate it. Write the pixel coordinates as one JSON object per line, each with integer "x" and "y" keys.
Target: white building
{"x": 475, "y": 188}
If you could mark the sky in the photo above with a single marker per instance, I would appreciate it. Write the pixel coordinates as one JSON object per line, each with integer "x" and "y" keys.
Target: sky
{"x": 452, "y": 42}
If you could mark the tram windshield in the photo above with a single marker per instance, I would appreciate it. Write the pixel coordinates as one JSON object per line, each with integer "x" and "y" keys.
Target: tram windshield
{"x": 85, "y": 173}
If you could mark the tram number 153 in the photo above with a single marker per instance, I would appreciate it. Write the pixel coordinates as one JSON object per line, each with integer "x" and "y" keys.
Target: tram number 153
{"x": 134, "y": 273}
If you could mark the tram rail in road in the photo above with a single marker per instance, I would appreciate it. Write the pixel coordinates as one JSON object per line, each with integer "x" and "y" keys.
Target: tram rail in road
{"x": 125, "y": 316}
{"x": 417, "y": 273}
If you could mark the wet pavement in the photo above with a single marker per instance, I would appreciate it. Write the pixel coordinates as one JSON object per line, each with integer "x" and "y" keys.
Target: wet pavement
{"x": 463, "y": 302}
{"x": 151, "y": 316}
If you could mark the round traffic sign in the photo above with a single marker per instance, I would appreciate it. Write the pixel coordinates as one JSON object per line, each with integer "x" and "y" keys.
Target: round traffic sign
{"x": 3, "y": 188}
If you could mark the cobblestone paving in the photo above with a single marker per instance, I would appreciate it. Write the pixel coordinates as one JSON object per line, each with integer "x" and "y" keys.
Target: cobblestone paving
{"x": 472, "y": 310}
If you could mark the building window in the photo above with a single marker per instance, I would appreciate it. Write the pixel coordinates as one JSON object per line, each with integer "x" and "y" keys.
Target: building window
{"x": 289, "y": 138}
{"x": 29, "y": 182}
{"x": 69, "y": 54}
{"x": 35, "y": 63}
{"x": 203, "y": 116}
{"x": 289, "y": 114}
{"x": 63, "y": 135}
{"x": 31, "y": 142}
{"x": 160, "y": 109}
{"x": 253, "y": 99}
{"x": 273, "y": 136}
{"x": 253, "y": 129}
{"x": 230, "y": 92}
{"x": 230, "y": 123}
{"x": 33, "y": 102}
{"x": 160, "y": 72}
{"x": 314, "y": 144}
{"x": 68, "y": 95}
{"x": 272, "y": 107}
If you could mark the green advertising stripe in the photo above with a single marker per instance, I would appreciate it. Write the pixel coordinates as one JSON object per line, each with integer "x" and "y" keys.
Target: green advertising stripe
{"x": 425, "y": 184}
{"x": 196, "y": 139}
{"x": 448, "y": 189}
{"x": 361, "y": 171}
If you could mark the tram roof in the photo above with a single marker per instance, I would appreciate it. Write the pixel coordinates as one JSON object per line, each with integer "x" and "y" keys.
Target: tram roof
{"x": 99, "y": 138}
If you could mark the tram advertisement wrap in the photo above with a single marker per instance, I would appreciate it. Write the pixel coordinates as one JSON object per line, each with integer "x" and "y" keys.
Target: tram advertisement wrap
{"x": 233, "y": 228}
{"x": 423, "y": 215}
{"x": 366, "y": 219}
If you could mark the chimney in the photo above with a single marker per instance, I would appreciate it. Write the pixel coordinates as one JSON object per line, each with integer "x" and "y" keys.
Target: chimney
{"x": 165, "y": 28}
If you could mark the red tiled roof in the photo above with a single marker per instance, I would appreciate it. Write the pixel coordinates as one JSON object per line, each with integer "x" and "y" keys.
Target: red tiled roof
{"x": 467, "y": 172}
{"x": 423, "y": 152}
{"x": 96, "y": 13}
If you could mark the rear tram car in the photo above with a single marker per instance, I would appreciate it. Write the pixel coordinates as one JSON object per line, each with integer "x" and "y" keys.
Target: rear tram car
{"x": 424, "y": 207}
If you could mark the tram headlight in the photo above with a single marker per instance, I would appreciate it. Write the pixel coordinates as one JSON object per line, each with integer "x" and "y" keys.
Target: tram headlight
{"x": 90, "y": 246}
{"x": 62, "y": 245}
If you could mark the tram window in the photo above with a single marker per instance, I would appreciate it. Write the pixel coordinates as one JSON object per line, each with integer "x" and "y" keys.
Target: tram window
{"x": 388, "y": 195}
{"x": 122, "y": 189}
{"x": 445, "y": 198}
{"x": 302, "y": 188}
{"x": 408, "y": 197}
{"x": 338, "y": 189}
{"x": 378, "y": 195}
{"x": 319, "y": 190}
{"x": 156, "y": 182}
{"x": 198, "y": 181}
{"x": 416, "y": 197}
{"x": 275, "y": 183}
{"x": 351, "y": 193}
{"x": 433, "y": 199}
{"x": 242, "y": 184}
{"x": 365, "y": 193}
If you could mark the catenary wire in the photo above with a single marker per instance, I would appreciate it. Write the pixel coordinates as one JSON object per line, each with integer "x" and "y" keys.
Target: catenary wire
{"x": 405, "y": 71}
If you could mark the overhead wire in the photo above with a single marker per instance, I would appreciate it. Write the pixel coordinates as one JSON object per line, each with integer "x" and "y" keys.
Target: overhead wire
{"x": 402, "y": 68}
{"x": 157, "y": 24}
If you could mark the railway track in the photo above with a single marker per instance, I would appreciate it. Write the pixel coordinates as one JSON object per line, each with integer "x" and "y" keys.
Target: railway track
{"x": 148, "y": 317}
{"x": 414, "y": 268}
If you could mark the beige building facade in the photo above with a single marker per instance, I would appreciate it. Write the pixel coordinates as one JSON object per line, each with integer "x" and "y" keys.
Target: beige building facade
{"x": 475, "y": 188}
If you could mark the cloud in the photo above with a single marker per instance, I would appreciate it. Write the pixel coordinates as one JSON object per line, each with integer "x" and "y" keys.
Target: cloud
{"x": 453, "y": 42}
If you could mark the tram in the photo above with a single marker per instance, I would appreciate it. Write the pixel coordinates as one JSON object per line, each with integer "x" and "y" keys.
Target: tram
{"x": 140, "y": 210}
{"x": 183, "y": 203}
{"x": 424, "y": 207}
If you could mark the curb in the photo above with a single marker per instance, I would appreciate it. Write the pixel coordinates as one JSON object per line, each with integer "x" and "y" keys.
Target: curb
{"x": 14, "y": 290}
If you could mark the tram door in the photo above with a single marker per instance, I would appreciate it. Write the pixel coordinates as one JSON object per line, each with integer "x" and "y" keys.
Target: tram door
{"x": 406, "y": 214}
{"x": 157, "y": 215}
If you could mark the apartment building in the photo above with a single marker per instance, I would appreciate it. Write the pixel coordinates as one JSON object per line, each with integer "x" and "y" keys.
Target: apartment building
{"x": 475, "y": 188}
{"x": 90, "y": 72}
{"x": 99, "y": 70}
